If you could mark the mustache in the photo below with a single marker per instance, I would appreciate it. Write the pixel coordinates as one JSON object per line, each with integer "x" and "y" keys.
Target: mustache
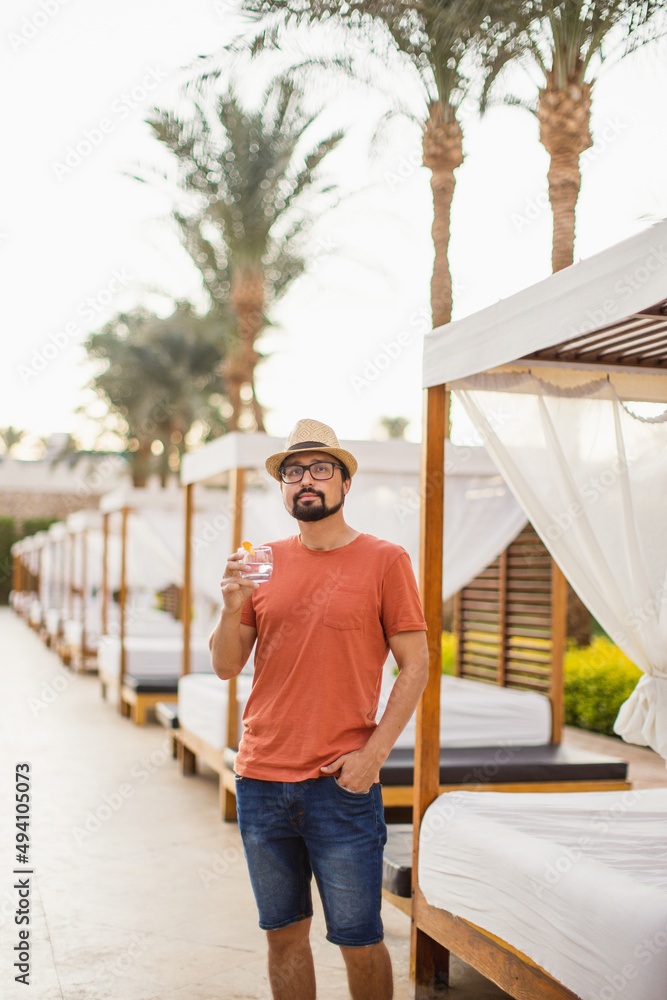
{"x": 308, "y": 489}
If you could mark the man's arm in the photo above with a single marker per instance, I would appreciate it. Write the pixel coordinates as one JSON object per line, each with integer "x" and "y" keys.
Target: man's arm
{"x": 360, "y": 768}
{"x": 231, "y": 642}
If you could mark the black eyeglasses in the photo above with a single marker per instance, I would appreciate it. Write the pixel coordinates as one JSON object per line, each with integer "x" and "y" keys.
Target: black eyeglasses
{"x": 318, "y": 470}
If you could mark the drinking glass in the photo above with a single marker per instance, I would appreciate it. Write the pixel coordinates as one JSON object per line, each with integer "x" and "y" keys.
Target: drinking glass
{"x": 257, "y": 565}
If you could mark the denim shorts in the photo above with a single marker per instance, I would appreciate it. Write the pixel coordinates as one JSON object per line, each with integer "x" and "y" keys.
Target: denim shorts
{"x": 294, "y": 830}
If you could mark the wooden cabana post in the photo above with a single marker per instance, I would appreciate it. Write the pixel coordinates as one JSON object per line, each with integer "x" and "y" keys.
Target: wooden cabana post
{"x": 70, "y": 602}
{"x": 62, "y": 586}
{"x": 428, "y": 960}
{"x": 84, "y": 585}
{"x": 558, "y": 638}
{"x": 237, "y": 478}
{"x": 105, "y": 571}
{"x": 186, "y": 597}
{"x": 122, "y": 603}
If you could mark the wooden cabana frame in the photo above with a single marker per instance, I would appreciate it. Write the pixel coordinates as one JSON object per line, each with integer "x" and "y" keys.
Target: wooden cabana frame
{"x": 79, "y": 525}
{"x": 234, "y": 454}
{"x": 57, "y": 533}
{"x": 124, "y": 501}
{"x": 562, "y": 325}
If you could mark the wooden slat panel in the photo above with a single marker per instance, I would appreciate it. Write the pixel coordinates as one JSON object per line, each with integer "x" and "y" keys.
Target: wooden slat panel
{"x": 475, "y": 674}
{"x": 546, "y": 648}
{"x": 485, "y": 662}
{"x": 538, "y": 610}
{"x": 518, "y": 657}
{"x": 528, "y": 683}
{"x": 473, "y": 635}
{"x": 485, "y": 607}
{"x": 532, "y": 617}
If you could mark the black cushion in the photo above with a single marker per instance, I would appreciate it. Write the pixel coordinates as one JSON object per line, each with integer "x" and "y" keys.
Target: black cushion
{"x": 497, "y": 765}
{"x": 166, "y": 713}
{"x": 151, "y": 685}
{"x": 397, "y": 862}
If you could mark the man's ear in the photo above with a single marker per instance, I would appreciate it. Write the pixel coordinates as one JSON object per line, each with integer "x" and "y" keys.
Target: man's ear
{"x": 346, "y": 485}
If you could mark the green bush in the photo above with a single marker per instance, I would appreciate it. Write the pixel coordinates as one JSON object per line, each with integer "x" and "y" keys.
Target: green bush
{"x": 10, "y": 532}
{"x": 32, "y": 525}
{"x": 448, "y": 652}
{"x": 7, "y": 539}
{"x": 598, "y": 679}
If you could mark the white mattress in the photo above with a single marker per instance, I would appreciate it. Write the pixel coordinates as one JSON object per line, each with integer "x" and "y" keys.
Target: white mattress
{"x": 73, "y": 631}
{"x": 149, "y": 655}
{"x": 52, "y": 618}
{"x": 202, "y": 706}
{"x": 473, "y": 714}
{"x": 575, "y": 881}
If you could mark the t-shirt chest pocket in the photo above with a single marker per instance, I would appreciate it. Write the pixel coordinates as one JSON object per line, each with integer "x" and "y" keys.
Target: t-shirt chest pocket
{"x": 346, "y": 608}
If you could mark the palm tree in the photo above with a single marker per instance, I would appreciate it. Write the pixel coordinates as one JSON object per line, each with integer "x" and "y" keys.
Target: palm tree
{"x": 159, "y": 378}
{"x": 567, "y": 43}
{"x": 433, "y": 42}
{"x": 11, "y": 436}
{"x": 252, "y": 178}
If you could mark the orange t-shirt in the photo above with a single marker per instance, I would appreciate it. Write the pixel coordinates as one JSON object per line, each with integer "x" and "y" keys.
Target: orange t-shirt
{"x": 322, "y": 620}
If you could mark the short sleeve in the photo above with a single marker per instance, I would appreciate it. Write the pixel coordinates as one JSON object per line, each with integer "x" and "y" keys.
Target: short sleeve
{"x": 248, "y": 616}
{"x": 401, "y": 605}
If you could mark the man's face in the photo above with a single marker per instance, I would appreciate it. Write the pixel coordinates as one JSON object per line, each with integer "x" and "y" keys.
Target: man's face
{"x": 314, "y": 499}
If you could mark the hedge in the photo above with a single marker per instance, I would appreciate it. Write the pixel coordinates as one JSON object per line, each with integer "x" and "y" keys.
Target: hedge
{"x": 598, "y": 679}
{"x": 10, "y": 532}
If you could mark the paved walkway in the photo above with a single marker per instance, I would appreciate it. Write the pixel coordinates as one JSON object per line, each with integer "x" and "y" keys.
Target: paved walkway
{"x": 139, "y": 890}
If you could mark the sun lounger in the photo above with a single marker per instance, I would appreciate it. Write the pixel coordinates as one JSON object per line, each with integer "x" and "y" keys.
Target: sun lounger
{"x": 491, "y": 737}
{"x": 152, "y": 668}
{"x": 558, "y": 895}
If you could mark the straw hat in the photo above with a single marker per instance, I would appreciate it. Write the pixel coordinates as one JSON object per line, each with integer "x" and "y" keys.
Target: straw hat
{"x": 311, "y": 435}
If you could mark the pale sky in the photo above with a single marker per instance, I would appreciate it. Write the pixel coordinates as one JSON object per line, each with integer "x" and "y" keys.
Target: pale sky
{"x": 78, "y": 242}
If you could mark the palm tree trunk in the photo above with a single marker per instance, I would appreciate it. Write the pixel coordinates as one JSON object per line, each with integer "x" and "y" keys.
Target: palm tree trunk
{"x": 443, "y": 153}
{"x": 564, "y": 117}
{"x": 247, "y": 300}
{"x": 140, "y": 461}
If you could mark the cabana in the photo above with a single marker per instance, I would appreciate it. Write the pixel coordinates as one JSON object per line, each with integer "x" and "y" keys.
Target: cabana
{"x": 385, "y": 501}
{"x": 140, "y": 653}
{"x": 56, "y": 604}
{"x": 564, "y": 362}
{"x": 20, "y": 582}
{"x": 82, "y": 627}
{"x": 31, "y": 575}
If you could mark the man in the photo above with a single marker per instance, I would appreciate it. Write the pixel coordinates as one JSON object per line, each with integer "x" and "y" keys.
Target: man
{"x": 307, "y": 770}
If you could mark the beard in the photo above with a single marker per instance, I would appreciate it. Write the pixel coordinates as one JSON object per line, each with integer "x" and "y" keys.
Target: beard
{"x": 314, "y": 511}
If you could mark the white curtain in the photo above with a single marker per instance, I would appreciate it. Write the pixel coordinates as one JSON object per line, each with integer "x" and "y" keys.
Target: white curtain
{"x": 592, "y": 477}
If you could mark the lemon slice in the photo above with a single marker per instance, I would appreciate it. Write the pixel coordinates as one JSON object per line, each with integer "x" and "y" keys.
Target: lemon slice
{"x": 248, "y": 547}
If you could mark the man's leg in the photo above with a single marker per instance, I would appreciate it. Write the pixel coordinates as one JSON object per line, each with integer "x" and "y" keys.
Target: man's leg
{"x": 291, "y": 969}
{"x": 369, "y": 972}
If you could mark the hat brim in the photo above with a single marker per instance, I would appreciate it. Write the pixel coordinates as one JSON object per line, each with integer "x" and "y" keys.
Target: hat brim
{"x": 274, "y": 462}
